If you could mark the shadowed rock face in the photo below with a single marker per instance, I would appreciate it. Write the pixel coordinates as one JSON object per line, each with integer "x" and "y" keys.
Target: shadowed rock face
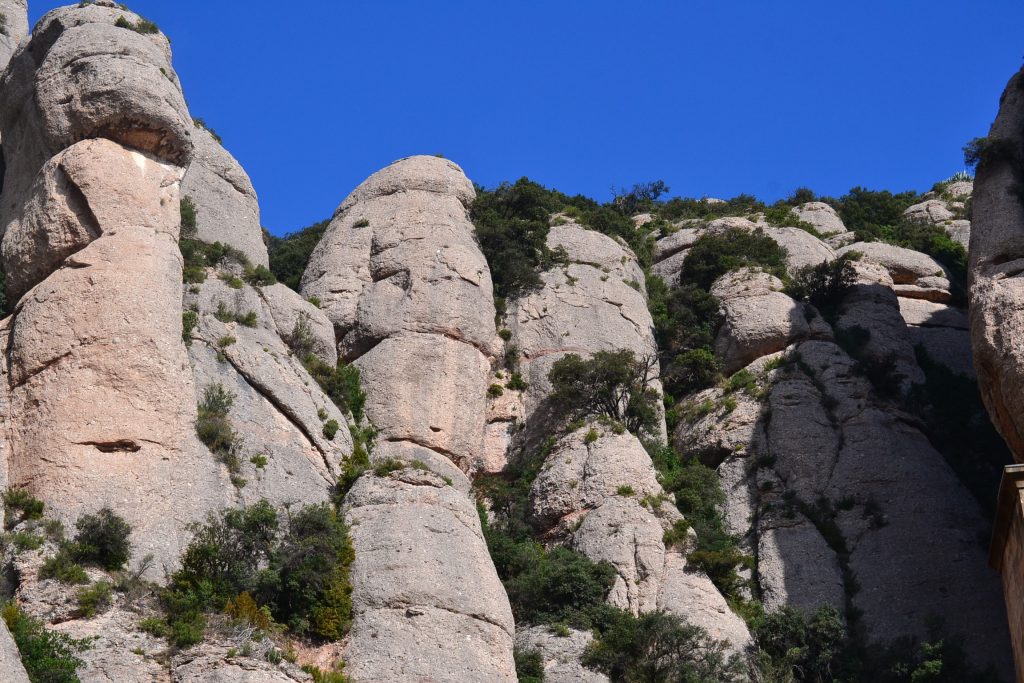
{"x": 409, "y": 294}
{"x": 996, "y": 266}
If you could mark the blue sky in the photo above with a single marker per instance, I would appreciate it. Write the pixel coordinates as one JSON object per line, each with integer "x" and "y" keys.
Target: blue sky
{"x": 715, "y": 98}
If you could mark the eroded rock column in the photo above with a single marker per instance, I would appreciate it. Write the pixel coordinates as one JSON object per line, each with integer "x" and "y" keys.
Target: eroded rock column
{"x": 409, "y": 293}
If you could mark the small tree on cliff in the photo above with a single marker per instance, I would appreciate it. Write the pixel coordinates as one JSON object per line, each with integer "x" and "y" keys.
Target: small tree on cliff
{"x": 613, "y": 384}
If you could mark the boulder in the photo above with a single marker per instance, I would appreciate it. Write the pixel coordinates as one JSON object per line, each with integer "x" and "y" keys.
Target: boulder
{"x": 822, "y": 216}
{"x": 905, "y": 266}
{"x": 404, "y": 261}
{"x": 934, "y": 211}
{"x": 227, "y": 209}
{"x": 288, "y": 309}
{"x": 759, "y": 319}
{"x": 802, "y": 248}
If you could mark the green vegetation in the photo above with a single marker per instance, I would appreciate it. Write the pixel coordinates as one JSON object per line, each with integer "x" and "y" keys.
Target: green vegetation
{"x": 699, "y": 497}
{"x": 189, "y": 219}
{"x": 330, "y": 429}
{"x": 241, "y": 558}
{"x": 144, "y": 26}
{"x": 259, "y": 276}
{"x": 716, "y": 254}
{"x": 21, "y": 506}
{"x": 213, "y": 427}
{"x": 189, "y": 322}
{"x": 529, "y": 666}
{"x": 200, "y": 123}
{"x": 512, "y": 226}
{"x": 609, "y": 384}
{"x": 95, "y": 599}
{"x": 48, "y": 656}
{"x": 290, "y": 254}
{"x": 340, "y": 383}
{"x": 661, "y": 647}
{"x": 824, "y": 285}
{"x": 820, "y": 648}
{"x": 102, "y": 540}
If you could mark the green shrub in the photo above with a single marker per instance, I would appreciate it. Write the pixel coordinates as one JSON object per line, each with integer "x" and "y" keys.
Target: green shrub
{"x": 48, "y": 656}
{"x": 340, "y": 383}
{"x": 869, "y": 211}
{"x": 824, "y": 285}
{"x": 625, "y": 490}
{"x": 386, "y": 467}
{"x": 512, "y": 227}
{"x": 715, "y": 254}
{"x": 516, "y": 382}
{"x": 678, "y": 534}
{"x": 201, "y": 123}
{"x": 64, "y": 569}
{"x": 259, "y": 276}
{"x": 529, "y": 665}
{"x": 495, "y": 390}
{"x": 684, "y": 207}
{"x": 226, "y": 341}
{"x": 259, "y": 461}
{"x": 591, "y": 436}
{"x": 189, "y": 219}
{"x": 102, "y": 540}
{"x": 95, "y": 599}
{"x": 781, "y": 216}
{"x": 189, "y": 322}
{"x": 661, "y": 647}
{"x": 301, "y": 576}
{"x": 21, "y": 506}
{"x": 612, "y": 384}
{"x": 686, "y": 322}
{"x": 213, "y": 427}
{"x": 330, "y": 429}
{"x": 289, "y": 255}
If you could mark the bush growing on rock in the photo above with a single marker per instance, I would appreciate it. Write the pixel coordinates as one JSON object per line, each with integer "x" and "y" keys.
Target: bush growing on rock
{"x": 529, "y": 665}
{"x": 824, "y": 285}
{"x": 102, "y": 540}
{"x": 340, "y": 383}
{"x": 612, "y": 384}
{"x": 716, "y": 254}
{"x": 214, "y": 427}
{"x": 289, "y": 255}
{"x": 48, "y": 656}
{"x": 21, "y": 506}
{"x": 301, "y": 576}
{"x": 661, "y": 647}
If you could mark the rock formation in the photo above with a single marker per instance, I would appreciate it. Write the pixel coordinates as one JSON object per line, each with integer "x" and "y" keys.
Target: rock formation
{"x": 399, "y": 275}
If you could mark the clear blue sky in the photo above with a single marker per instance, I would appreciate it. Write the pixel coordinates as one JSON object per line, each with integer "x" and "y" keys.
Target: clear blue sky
{"x": 716, "y": 98}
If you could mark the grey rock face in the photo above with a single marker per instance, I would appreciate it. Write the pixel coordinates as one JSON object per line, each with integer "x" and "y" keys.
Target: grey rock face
{"x": 409, "y": 293}
{"x": 227, "y": 207}
{"x": 905, "y": 266}
{"x": 822, "y": 216}
{"x": 11, "y": 669}
{"x": 561, "y": 654}
{"x": 14, "y": 29}
{"x": 594, "y": 494}
{"x": 402, "y": 261}
{"x": 996, "y": 262}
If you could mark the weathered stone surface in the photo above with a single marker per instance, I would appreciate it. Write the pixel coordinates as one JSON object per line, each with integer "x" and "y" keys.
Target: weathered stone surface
{"x": 905, "y": 266}
{"x": 928, "y": 314}
{"x": 287, "y": 309}
{"x": 822, "y": 216}
{"x": 795, "y": 566}
{"x": 211, "y": 664}
{"x": 691, "y": 595}
{"x": 960, "y": 231}
{"x": 802, "y": 248}
{"x": 82, "y": 77}
{"x": 561, "y": 654}
{"x": 119, "y": 651}
{"x": 580, "y": 475}
{"x": 759, "y": 318}
{"x": 15, "y": 28}
{"x": 395, "y": 261}
{"x": 959, "y": 189}
{"x": 422, "y": 579}
{"x": 428, "y": 389}
{"x": 932, "y": 211}
{"x": 11, "y": 669}
{"x": 227, "y": 208}
{"x": 102, "y": 405}
{"x": 996, "y": 264}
